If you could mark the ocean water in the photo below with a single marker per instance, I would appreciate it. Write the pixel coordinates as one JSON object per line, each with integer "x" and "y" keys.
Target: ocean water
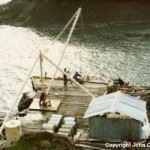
{"x": 2, "y": 2}
{"x": 102, "y": 51}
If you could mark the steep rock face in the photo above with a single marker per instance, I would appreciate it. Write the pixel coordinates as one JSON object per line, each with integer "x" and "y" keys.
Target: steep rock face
{"x": 57, "y": 12}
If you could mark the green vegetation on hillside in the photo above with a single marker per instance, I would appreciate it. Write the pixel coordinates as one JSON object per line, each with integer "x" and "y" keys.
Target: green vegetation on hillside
{"x": 42, "y": 141}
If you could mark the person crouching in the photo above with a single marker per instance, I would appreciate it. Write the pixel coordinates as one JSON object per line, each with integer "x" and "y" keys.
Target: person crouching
{"x": 43, "y": 102}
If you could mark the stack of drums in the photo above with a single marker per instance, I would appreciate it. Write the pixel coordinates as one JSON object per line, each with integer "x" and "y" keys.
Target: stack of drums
{"x": 68, "y": 127}
{"x": 53, "y": 124}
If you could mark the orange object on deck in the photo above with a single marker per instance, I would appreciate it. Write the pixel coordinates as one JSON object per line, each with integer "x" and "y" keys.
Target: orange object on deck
{"x": 87, "y": 78}
{"x": 124, "y": 90}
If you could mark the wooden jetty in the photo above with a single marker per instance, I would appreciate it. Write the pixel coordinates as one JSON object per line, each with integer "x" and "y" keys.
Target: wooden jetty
{"x": 74, "y": 102}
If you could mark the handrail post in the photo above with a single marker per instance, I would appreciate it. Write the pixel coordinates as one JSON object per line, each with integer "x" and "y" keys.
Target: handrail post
{"x": 41, "y": 69}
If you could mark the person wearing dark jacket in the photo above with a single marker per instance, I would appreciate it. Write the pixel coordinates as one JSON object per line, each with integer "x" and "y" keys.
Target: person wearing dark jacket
{"x": 65, "y": 77}
{"x": 76, "y": 75}
{"x": 121, "y": 82}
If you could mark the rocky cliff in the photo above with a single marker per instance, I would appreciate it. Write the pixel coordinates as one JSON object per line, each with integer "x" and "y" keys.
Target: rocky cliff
{"x": 58, "y": 12}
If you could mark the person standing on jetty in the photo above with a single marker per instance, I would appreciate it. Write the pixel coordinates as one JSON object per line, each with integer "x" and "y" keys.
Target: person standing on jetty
{"x": 65, "y": 77}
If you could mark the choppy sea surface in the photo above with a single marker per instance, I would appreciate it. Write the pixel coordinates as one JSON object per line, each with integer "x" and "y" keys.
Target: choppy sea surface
{"x": 102, "y": 51}
{"x": 2, "y": 2}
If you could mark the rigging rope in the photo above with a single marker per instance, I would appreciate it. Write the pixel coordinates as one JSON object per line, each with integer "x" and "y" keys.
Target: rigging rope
{"x": 81, "y": 54}
{"x": 82, "y": 24}
{"x": 66, "y": 44}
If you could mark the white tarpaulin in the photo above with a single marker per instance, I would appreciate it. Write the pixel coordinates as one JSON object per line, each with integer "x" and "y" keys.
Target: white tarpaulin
{"x": 118, "y": 102}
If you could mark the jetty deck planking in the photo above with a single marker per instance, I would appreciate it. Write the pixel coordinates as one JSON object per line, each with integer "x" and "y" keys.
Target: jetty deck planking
{"x": 74, "y": 102}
